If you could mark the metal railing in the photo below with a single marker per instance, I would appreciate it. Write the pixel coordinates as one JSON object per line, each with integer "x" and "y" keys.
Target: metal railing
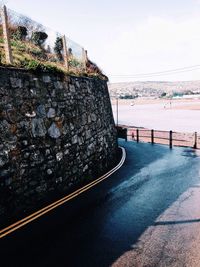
{"x": 171, "y": 138}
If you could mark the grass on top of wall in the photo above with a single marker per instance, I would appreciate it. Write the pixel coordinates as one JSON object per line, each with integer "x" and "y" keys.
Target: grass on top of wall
{"x": 34, "y": 58}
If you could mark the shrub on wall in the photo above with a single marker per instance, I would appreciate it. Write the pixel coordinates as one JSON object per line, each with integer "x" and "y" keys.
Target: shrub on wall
{"x": 20, "y": 33}
{"x": 38, "y": 38}
{"x": 58, "y": 48}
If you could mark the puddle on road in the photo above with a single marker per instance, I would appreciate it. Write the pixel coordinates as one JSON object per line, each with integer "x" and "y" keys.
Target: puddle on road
{"x": 191, "y": 153}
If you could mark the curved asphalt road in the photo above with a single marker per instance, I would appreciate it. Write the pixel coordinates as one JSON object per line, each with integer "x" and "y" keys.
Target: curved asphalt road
{"x": 127, "y": 220}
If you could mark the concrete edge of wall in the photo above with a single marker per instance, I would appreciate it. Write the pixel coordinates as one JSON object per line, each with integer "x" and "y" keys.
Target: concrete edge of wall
{"x": 60, "y": 74}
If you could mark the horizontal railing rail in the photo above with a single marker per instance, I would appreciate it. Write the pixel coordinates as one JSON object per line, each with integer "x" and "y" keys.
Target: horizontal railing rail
{"x": 171, "y": 138}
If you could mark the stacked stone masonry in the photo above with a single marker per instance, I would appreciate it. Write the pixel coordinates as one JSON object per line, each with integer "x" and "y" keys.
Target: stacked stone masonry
{"x": 56, "y": 132}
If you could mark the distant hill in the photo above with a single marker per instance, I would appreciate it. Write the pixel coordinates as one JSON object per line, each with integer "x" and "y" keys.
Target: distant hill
{"x": 153, "y": 88}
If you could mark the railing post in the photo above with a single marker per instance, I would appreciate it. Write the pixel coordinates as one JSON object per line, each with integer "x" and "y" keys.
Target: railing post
{"x": 65, "y": 52}
{"x": 170, "y": 139}
{"x": 137, "y": 135}
{"x": 7, "y": 46}
{"x": 117, "y": 110}
{"x": 195, "y": 140}
{"x": 152, "y": 136}
{"x": 126, "y": 133}
{"x": 85, "y": 58}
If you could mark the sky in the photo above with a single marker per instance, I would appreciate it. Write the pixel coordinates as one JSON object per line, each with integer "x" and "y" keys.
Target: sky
{"x": 129, "y": 37}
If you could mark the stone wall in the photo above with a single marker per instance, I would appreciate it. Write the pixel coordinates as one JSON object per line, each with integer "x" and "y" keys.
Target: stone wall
{"x": 56, "y": 132}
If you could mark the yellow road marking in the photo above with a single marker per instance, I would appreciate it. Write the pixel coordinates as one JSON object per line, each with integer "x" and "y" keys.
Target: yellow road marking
{"x": 39, "y": 213}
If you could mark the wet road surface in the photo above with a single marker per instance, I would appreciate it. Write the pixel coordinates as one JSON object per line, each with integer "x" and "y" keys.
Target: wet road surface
{"x": 146, "y": 214}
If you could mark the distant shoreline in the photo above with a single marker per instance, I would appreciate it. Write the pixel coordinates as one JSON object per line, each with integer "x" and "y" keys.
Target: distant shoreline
{"x": 180, "y": 103}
